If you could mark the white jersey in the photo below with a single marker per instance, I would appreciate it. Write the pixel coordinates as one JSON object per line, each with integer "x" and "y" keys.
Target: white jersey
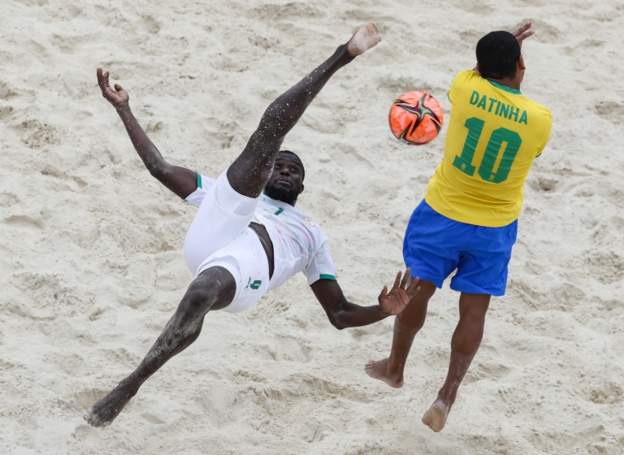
{"x": 299, "y": 244}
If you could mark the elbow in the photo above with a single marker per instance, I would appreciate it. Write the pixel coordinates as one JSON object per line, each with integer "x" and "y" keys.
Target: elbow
{"x": 158, "y": 170}
{"x": 337, "y": 322}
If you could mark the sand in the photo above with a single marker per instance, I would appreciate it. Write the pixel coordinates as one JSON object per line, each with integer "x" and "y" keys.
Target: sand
{"x": 91, "y": 264}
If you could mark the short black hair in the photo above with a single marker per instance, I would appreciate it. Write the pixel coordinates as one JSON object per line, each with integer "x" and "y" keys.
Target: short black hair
{"x": 497, "y": 55}
{"x": 297, "y": 159}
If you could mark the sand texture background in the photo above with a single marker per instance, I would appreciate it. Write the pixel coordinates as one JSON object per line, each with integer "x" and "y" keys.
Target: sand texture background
{"x": 91, "y": 265}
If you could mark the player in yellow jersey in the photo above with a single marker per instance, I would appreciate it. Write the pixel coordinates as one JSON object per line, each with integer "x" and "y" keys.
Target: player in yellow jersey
{"x": 467, "y": 221}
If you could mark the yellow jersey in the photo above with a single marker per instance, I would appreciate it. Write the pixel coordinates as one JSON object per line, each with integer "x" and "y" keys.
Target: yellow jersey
{"x": 494, "y": 135}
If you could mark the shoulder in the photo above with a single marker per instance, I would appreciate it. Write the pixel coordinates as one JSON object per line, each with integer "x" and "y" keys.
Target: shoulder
{"x": 315, "y": 228}
{"x": 464, "y": 82}
{"x": 320, "y": 239}
{"x": 466, "y": 77}
{"x": 540, "y": 112}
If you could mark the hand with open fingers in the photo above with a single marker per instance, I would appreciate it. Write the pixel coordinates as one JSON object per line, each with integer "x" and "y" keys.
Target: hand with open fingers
{"x": 117, "y": 96}
{"x": 523, "y": 32}
{"x": 402, "y": 291}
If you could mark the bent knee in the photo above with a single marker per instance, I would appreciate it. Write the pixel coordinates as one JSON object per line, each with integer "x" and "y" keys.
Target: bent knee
{"x": 214, "y": 288}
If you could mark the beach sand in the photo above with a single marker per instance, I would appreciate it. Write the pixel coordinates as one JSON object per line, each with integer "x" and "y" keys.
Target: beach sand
{"x": 91, "y": 266}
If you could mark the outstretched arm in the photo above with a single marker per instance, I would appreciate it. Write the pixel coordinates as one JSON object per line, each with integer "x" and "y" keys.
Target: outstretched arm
{"x": 342, "y": 313}
{"x": 180, "y": 180}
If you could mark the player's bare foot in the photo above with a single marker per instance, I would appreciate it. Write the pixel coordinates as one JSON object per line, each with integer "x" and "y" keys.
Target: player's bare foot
{"x": 105, "y": 410}
{"x": 379, "y": 370}
{"x": 363, "y": 39}
{"x": 436, "y": 415}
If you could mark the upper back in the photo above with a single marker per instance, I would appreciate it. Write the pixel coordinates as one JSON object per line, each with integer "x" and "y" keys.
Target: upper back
{"x": 494, "y": 135}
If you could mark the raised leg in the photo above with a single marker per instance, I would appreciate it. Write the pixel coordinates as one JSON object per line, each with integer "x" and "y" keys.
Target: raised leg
{"x": 250, "y": 171}
{"x": 406, "y": 326}
{"x": 213, "y": 289}
{"x": 464, "y": 345}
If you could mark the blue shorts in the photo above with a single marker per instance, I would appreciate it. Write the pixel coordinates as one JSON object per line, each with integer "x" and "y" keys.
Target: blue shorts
{"x": 435, "y": 246}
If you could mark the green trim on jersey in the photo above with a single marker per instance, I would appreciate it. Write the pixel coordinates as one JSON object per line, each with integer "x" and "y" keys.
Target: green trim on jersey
{"x": 506, "y": 88}
{"x": 326, "y": 276}
{"x": 199, "y": 180}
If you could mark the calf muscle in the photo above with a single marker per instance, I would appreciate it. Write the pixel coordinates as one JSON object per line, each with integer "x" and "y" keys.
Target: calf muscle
{"x": 212, "y": 289}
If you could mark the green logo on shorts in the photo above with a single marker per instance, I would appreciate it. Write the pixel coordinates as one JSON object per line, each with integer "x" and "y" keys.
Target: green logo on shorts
{"x": 254, "y": 284}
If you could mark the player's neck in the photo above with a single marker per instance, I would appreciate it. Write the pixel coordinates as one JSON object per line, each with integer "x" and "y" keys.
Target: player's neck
{"x": 509, "y": 82}
{"x": 281, "y": 198}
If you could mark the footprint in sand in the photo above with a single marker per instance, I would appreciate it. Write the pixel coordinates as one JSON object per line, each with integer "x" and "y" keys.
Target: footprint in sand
{"x": 263, "y": 42}
{"x": 470, "y": 36}
{"x": 36, "y": 134}
{"x": 271, "y": 11}
{"x": 490, "y": 371}
{"x": 6, "y": 92}
{"x": 151, "y": 418}
{"x": 83, "y": 400}
{"x": 51, "y": 171}
{"x": 607, "y": 394}
{"x": 4, "y": 365}
{"x": 544, "y": 184}
{"x": 24, "y": 221}
{"x": 611, "y": 111}
{"x": 547, "y": 33}
{"x": 482, "y": 7}
{"x": 151, "y": 24}
{"x": 394, "y": 86}
{"x": 607, "y": 267}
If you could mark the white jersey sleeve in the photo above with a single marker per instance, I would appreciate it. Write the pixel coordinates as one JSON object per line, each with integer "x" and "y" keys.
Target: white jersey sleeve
{"x": 203, "y": 185}
{"x": 321, "y": 267}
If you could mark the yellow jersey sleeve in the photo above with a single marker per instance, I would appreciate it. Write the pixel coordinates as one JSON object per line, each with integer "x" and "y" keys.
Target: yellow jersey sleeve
{"x": 494, "y": 135}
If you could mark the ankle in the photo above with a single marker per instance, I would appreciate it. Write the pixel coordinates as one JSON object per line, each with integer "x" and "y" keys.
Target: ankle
{"x": 344, "y": 53}
{"x": 447, "y": 396}
{"x": 130, "y": 385}
{"x": 395, "y": 369}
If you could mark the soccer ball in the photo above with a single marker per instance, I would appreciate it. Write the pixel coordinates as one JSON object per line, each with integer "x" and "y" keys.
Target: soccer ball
{"x": 416, "y": 118}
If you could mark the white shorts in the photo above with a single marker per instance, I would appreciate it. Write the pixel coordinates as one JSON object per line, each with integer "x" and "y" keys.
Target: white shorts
{"x": 220, "y": 236}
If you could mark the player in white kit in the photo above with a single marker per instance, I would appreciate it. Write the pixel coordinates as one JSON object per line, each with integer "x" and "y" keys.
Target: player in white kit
{"x": 247, "y": 237}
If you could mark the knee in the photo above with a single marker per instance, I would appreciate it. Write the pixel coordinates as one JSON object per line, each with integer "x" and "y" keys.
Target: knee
{"x": 212, "y": 289}
{"x": 473, "y": 315}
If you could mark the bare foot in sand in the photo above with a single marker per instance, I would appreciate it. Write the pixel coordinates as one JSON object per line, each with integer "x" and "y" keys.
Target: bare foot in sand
{"x": 365, "y": 37}
{"x": 379, "y": 370}
{"x": 105, "y": 410}
{"x": 436, "y": 415}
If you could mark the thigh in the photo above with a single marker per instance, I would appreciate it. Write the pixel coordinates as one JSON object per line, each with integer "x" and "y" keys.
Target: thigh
{"x": 223, "y": 215}
{"x": 483, "y": 268}
{"x": 482, "y": 273}
{"x": 247, "y": 262}
{"x": 429, "y": 248}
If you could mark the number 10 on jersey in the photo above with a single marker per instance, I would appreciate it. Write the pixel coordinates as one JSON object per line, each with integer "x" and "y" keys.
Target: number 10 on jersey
{"x": 499, "y": 137}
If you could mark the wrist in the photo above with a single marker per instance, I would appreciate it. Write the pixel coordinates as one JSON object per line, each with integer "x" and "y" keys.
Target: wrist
{"x": 382, "y": 312}
{"x": 123, "y": 109}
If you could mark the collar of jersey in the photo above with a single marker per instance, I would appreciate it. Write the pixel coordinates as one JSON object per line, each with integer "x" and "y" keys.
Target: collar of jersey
{"x": 282, "y": 204}
{"x": 515, "y": 91}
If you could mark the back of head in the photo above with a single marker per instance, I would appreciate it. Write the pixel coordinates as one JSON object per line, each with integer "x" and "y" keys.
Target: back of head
{"x": 497, "y": 55}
